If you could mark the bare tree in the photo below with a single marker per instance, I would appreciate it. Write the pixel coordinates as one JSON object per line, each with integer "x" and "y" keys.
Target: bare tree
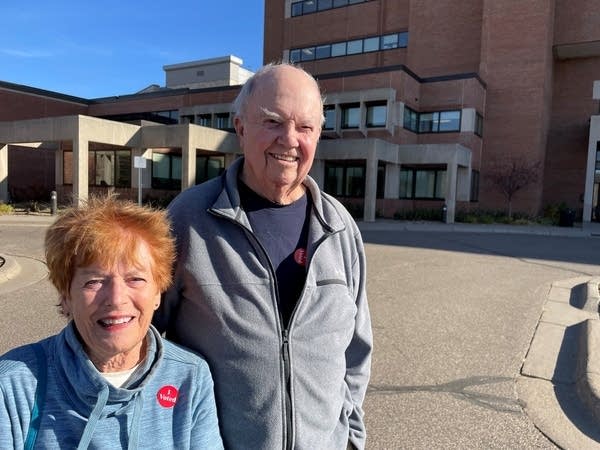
{"x": 512, "y": 175}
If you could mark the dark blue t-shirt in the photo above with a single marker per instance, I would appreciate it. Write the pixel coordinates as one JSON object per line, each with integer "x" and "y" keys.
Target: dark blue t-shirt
{"x": 283, "y": 232}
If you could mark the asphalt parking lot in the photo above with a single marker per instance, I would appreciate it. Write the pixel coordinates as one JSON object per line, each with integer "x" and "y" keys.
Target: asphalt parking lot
{"x": 455, "y": 312}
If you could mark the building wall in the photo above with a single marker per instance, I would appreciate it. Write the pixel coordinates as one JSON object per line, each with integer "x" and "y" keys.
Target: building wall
{"x": 568, "y": 136}
{"x": 516, "y": 65}
{"x": 16, "y": 105}
{"x": 444, "y": 36}
{"x": 161, "y": 101}
{"x": 31, "y": 175}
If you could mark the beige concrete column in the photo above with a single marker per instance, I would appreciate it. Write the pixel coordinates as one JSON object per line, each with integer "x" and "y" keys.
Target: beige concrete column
{"x": 392, "y": 181}
{"x": 451, "y": 176}
{"x": 370, "y": 185}
{"x": 3, "y": 173}
{"x": 188, "y": 163}
{"x": 80, "y": 170}
{"x": 588, "y": 196}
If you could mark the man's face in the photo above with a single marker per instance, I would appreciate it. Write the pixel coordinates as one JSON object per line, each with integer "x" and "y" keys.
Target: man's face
{"x": 278, "y": 132}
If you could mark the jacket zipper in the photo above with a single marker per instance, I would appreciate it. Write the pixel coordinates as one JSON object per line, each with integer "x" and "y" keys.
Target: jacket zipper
{"x": 288, "y": 387}
{"x": 285, "y": 351}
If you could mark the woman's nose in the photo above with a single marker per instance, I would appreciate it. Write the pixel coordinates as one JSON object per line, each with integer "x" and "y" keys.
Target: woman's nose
{"x": 116, "y": 292}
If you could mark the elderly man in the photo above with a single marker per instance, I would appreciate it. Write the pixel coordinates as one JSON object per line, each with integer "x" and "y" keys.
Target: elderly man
{"x": 270, "y": 281}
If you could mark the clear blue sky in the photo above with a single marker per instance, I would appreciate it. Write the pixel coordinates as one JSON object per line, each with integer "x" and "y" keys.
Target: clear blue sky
{"x": 101, "y": 48}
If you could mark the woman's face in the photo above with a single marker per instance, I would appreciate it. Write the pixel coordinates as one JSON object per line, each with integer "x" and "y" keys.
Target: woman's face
{"x": 112, "y": 308}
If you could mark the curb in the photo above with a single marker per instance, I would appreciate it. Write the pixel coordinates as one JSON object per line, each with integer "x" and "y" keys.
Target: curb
{"x": 588, "y": 366}
{"x": 10, "y": 269}
{"x": 559, "y": 384}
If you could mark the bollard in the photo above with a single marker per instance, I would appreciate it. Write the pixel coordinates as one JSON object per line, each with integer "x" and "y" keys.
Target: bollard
{"x": 53, "y": 203}
{"x": 445, "y": 214}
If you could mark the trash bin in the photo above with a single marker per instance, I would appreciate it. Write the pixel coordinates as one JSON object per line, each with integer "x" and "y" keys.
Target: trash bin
{"x": 567, "y": 218}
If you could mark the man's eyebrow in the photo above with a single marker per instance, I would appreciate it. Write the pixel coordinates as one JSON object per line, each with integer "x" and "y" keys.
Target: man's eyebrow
{"x": 271, "y": 115}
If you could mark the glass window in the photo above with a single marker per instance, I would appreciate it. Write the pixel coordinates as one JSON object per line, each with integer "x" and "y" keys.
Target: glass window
{"x": 334, "y": 180}
{"x": 208, "y": 167}
{"x": 296, "y": 9}
{"x": 427, "y": 121}
{"x": 161, "y": 171}
{"x": 440, "y": 184}
{"x": 104, "y": 169}
{"x": 205, "y": 120}
{"x": 338, "y": 3}
{"x": 389, "y": 41}
{"x": 309, "y": 6}
{"x": 371, "y": 44}
{"x": 329, "y": 118}
{"x": 406, "y": 183}
{"x": 411, "y": 119}
{"x": 345, "y": 179}
{"x": 474, "y": 185}
{"x": 403, "y": 39}
{"x": 424, "y": 184}
{"x": 308, "y": 54}
{"x": 323, "y": 51}
{"x": 295, "y": 56}
{"x": 478, "y": 124}
{"x": 123, "y": 169}
{"x": 351, "y": 116}
{"x": 355, "y": 47}
{"x": 325, "y": 4}
{"x": 338, "y": 49}
{"x": 222, "y": 121}
{"x": 355, "y": 181}
{"x": 449, "y": 121}
{"x": 176, "y": 169}
{"x": 353, "y": 2}
{"x": 376, "y": 115}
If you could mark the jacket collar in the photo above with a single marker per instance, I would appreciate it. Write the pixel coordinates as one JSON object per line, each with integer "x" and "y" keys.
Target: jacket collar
{"x": 227, "y": 204}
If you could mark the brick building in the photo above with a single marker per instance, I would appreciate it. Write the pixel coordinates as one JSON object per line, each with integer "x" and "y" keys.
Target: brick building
{"x": 427, "y": 103}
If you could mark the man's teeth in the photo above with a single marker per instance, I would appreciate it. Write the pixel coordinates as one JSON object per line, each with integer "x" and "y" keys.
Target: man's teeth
{"x": 285, "y": 158}
{"x": 109, "y": 322}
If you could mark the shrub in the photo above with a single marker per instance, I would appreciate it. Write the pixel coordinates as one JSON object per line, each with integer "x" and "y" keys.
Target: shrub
{"x": 6, "y": 209}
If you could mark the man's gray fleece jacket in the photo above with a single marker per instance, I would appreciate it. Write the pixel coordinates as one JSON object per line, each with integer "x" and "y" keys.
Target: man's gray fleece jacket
{"x": 300, "y": 387}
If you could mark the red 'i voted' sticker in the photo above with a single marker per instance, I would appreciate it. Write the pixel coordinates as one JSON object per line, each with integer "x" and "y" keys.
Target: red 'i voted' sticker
{"x": 300, "y": 256}
{"x": 167, "y": 396}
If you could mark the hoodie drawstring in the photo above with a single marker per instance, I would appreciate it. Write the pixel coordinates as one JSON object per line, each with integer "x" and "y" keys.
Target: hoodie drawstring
{"x": 86, "y": 437}
{"x": 135, "y": 422}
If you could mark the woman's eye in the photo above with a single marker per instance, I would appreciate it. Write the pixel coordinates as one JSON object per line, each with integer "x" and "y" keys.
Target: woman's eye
{"x": 136, "y": 281}
{"x": 93, "y": 283}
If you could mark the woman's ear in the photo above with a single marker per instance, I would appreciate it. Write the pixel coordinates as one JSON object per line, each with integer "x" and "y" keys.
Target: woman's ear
{"x": 65, "y": 306}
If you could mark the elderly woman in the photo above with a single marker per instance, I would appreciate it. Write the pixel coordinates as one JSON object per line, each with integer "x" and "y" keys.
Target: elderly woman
{"x": 107, "y": 380}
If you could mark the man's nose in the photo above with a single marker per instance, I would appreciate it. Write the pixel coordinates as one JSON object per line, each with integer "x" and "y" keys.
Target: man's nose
{"x": 288, "y": 135}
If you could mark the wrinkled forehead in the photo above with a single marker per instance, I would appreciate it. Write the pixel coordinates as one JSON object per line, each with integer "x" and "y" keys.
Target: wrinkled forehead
{"x": 284, "y": 100}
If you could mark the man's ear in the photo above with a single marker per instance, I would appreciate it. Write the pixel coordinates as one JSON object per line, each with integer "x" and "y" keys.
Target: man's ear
{"x": 238, "y": 124}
